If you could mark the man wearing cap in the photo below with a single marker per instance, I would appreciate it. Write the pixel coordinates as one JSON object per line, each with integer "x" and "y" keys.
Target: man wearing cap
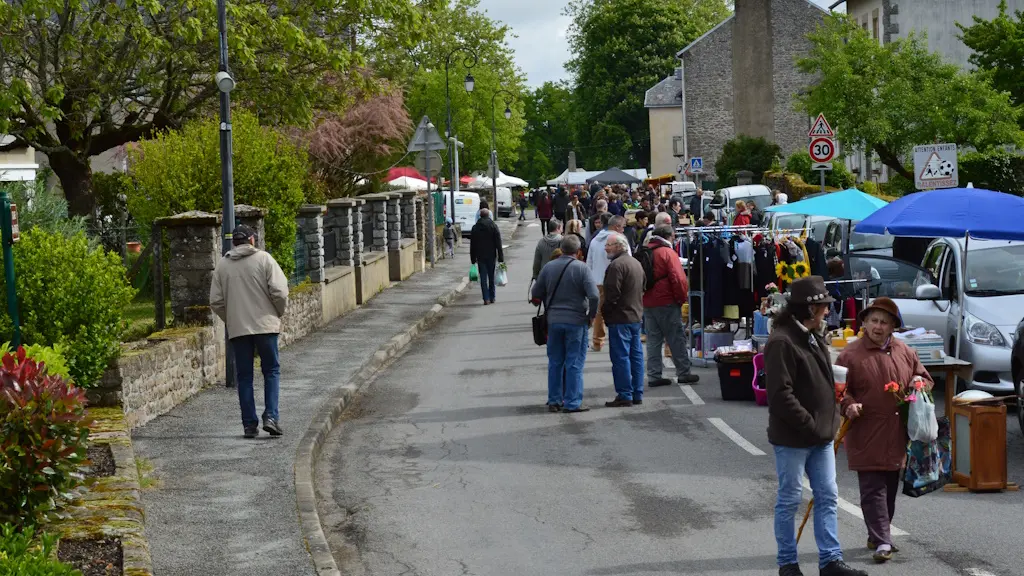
{"x": 249, "y": 292}
{"x": 803, "y": 418}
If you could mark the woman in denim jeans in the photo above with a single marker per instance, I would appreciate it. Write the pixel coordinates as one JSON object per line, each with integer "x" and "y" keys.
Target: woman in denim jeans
{"x": 803, "y": 417}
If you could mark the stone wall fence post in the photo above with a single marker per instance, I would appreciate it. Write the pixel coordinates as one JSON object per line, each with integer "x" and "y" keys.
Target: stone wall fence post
{"x": 310, "y": 221}
{"x": 194, "y": 245}
{"x": 394, "y": 220}
{"x": 253, "y": 217}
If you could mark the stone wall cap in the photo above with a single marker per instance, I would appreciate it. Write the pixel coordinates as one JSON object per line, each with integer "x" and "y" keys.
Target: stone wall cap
{"x": 190, "y": 218}
{"x": 311, "y": 209}
{"x": 407, "y": 193}
{"x": 379, "y": 196}
{"x": 345, "y": 202}
{"x": 246, "y": 211}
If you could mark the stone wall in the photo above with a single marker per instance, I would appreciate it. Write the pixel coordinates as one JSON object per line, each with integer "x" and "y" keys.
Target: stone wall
{"x": 194, "y": 250}
{"x": 304, "y": 314}
{"x": 791, "y": 21}
{"x": 709, "y": 95}
{"x": 253, "y": 217}
{"x": 310, "y": 222}
{"x": 752, "y": 68}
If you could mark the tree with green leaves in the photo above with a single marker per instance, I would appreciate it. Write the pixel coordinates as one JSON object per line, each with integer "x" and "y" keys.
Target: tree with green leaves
{"x": 620, "y": 48}
{"x": 998, "y": 46}
{"x": 549, "y": 136}
{"x": 78, "y": 78}
{"x": 890, "y": 98}
{"x": 746, "y": 153}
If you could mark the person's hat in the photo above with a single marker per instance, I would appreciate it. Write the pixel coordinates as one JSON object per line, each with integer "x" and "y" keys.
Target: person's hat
{"x": 241, "y": 234}
{"x": 809, "y": 290}
{"x": 884, "y": 304}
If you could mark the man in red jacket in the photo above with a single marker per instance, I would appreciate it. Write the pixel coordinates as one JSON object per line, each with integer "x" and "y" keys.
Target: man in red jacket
{"x": 545, "y": 210}
{"x": 663, "y": 315}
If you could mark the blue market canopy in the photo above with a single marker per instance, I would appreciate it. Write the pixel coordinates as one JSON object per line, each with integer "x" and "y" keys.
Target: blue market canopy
{"x": 952, "y": 212}
{"x": 849, "y": 204}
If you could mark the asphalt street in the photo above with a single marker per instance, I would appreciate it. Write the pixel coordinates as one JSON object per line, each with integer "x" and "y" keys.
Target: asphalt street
{"x": 450, "y": 464}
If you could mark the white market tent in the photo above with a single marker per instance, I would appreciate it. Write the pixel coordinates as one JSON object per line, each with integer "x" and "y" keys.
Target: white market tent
{"x": 409, "y": 183}
{"x": 580, "y": 178}
{"x": 484, "y": 181}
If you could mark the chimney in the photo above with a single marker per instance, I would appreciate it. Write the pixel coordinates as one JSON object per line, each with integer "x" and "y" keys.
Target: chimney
{"x": 572, "y": 161}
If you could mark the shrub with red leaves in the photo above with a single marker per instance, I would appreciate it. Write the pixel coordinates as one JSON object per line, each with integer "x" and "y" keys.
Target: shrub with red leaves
{"x": 43, "y": 433}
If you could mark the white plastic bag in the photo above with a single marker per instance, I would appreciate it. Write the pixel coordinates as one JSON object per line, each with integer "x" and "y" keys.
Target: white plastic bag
{"x": 921, "y": 423}
{"x": 501, "y": 278}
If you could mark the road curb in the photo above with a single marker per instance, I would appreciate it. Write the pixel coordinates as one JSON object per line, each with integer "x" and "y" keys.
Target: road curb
{"x": 328, "y": 416}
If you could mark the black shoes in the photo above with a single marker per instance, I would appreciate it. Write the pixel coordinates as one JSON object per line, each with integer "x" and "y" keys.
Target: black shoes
{"x": 272, "y": 427}
{"x": 618, "y": 403}
{"x": 582, "y": 408}
{"x": 689, "y": 379}
{"x": 658, "y": 382}
{"x": 637, "y": 402}
{"x": 790, "y": 570}
{"x": 251, "y": 432}
{"x": 554, "y": 407}
{"x": 839, "y": 568}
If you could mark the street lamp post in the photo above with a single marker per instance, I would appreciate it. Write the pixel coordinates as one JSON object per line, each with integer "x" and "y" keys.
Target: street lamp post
{"x": 225, "y": 84}
{"x": 469, "y": 61}
{"x": 509, "y": 97}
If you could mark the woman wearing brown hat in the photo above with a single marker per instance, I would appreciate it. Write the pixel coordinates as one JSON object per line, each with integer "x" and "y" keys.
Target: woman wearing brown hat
{"x": 876, "y": 444}
{"x": 803, "y": 418}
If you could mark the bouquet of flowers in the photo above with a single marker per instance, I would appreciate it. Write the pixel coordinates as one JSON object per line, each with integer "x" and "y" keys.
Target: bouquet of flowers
{"x": 771, "y": 288}
{"x": 905, "y": 394}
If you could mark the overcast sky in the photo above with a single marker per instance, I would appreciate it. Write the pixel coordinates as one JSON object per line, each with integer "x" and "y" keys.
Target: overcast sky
{"x": 540, "y": 45}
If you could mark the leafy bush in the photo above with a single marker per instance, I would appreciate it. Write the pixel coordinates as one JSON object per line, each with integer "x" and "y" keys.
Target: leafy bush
{"x": 52, "y": 358}
{"x": 898, "y": 185}
{"x": 180, "y": 171}
{"x": 43, "y": 434}
{"x": 993, "y": 170}
{"x": 41, "y": 207}
{"x": 20, "y": 555}
{"x": 71, "y": 295}
{"x": 112, "y": 217}
{"x": 745, "y": 153}
{"x": 839, "y": 177}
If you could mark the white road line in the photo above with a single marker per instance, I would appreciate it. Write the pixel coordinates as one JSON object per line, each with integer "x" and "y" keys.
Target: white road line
{"x": 735, "y": 436}
{"x": 691, "y": 394}
{"x": 978, "y": 572}
{"x": 854, "y": 510}
{"x": 534, "y": 225}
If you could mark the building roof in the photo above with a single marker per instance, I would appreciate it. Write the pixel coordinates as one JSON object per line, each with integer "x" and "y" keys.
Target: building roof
{"x": 665, "y": 94}
{"x": 704, "y": 35}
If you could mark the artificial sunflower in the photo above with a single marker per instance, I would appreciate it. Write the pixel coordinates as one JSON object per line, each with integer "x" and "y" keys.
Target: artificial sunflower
{"x": 800, "y": 270}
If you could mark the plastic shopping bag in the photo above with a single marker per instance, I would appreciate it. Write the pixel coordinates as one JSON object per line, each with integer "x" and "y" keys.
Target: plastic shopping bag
{"x": 921, "y": 423}
{"x": 929, "y": 464}
{"x": 474, "y": 273}
{"x": 501, "y": 278}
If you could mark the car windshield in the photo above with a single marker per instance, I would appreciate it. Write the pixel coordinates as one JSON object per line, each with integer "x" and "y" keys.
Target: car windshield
{"x": 719, "y": 199}
{"x": 789, "y": 222}
{"x": 860, "y": 242}
{"x": 818, "y": 229}
{"x": 995, "y": 271}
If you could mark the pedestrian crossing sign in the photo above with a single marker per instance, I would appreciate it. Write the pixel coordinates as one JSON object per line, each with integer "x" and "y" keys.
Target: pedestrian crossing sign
{"x": 696, "y": 165}
{"x": 821, "y": 128}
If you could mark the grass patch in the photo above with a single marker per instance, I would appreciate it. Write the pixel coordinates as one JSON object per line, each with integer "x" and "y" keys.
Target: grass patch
{"x": 147, "y": 478}
{"x": 141, "y": 318}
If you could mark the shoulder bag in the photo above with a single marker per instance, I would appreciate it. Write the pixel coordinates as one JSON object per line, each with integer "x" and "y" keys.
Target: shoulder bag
{"x": 540, "y": 321}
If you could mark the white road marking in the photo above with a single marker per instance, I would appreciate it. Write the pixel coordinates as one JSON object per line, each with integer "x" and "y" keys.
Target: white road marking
{"x": 978, "y": 572}
{"x": 691, "y": 394}
{"x": 854, "y": 510}
{"x": 534, "y": 225}
{"x": 735, "y": 436}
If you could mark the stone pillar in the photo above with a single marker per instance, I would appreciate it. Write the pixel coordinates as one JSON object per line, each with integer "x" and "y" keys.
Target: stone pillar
{"x": 253, "y": 217}
{"x": 408, "y": 204}
{"x": 311, "y": 230}
{"x": 421, "y": 232}
{"x": 394, "y": 220}
{"x": 744, "y": 178}
{"x": 377, "y": 206}
{"x": 345, "y": 219}
{"x": 429, "y": 230}
{"x": 195, "y": 249}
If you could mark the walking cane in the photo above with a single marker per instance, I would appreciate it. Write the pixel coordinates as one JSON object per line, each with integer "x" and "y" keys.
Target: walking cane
{"x": 810, "y": 505}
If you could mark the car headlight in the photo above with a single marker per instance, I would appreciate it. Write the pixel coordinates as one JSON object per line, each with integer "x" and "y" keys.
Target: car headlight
{"x": 980, "y": 332}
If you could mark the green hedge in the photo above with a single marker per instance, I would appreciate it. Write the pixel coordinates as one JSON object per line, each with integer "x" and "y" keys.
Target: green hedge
{"x": 994, "y": 170}
{"x": 745, "y": 153}
{"x": 180, "y": 171}
{"x": 21, "y": 554}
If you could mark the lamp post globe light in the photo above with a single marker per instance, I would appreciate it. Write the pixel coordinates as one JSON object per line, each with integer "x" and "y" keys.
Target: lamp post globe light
{"x": 509, "y": 98}
{"x": 470, "y": 60}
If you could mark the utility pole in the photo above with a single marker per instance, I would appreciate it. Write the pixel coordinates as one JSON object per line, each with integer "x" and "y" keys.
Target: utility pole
{"x": 225, "y": 84}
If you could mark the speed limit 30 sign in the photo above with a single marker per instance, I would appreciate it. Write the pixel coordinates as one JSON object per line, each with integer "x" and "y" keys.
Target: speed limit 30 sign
{"x": 822, "y": 150}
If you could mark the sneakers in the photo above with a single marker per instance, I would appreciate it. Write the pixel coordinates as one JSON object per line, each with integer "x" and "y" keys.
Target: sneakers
{"x": 272, "y": 427}
{"x": 618, "y": 403}
{"x": 873, "y": 546}
{"x": 882, "y": 555}
{"x": 251, "y": 432}
{"x": 659, "y": 382}
{"x": 790, "y": 570}
{"x": 689, "y": 379}
{"x": 840, "y": 568}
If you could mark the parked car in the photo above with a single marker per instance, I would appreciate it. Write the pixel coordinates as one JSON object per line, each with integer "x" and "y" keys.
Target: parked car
{"x": 817, "y": 225}
{"x": 506, "y": 206}
{"x": 1017, "y": 371}
{"x": 928, "y": 296}
{"x": 841, "y": 237}
{"x": 724, "y": 201}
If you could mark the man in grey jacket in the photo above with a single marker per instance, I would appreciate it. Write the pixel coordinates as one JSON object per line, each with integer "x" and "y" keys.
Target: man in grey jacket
{"x": 546, "y": 246}
{"x": 570, "y": 298}
{"x": 250, "y": 293}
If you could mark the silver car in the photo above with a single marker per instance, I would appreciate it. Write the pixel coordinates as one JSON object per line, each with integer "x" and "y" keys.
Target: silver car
{"x": 928, "y": 296}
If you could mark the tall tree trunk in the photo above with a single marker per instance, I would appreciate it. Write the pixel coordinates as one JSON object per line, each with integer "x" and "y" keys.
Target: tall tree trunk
{"x": 893, "y": 161}
{"x": 76, "y": 179}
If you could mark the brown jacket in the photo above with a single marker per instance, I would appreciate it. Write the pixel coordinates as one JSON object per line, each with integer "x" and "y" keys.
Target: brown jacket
{"x": 877, "y": 440}
{"x": 802, "y": 408}
{"x": 624, "y": 291}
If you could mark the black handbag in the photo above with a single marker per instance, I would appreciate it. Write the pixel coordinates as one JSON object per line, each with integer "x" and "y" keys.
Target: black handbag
{"x": 540, "y": 321}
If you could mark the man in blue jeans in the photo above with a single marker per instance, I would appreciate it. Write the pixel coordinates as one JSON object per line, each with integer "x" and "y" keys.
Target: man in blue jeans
{"x": 485, "y": 251}
{"x": 803, "y": 417}
{"x": 623, "y": 311}
{"x": 249, "y": 292}
{"x": 570, "y": 298}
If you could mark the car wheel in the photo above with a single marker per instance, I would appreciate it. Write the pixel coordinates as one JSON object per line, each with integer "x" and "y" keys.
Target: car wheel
{"x": 1019, "y": 388}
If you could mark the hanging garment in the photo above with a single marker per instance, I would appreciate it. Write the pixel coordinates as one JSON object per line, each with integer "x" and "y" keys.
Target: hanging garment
{"x": 713, "y": 280}
{"x": 816, "y": 256}
{"x": 764, "y": 268}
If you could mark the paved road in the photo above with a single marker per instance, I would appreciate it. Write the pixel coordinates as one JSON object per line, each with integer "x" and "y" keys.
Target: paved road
{"x": 450, "y": 464}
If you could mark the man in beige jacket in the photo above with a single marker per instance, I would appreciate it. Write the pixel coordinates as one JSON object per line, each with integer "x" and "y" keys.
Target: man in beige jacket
{"x": 250, "y": 293}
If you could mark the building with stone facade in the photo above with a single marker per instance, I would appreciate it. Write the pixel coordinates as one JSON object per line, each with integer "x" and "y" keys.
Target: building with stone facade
{"x": 738, "y": 78}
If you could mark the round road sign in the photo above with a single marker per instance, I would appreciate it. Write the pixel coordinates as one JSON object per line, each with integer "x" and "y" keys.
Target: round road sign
{"x": 822, "y": 150}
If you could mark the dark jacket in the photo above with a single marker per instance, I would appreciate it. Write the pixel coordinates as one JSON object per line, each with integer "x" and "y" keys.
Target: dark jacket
{"x": 670, "y": 285}
{"x": 485, "y": 241}
{"x": 562, "y": 200}
{"x": 544, "y": 205}
{"x": 574, "y": 300}
{"x": 802, "y": 408}
{"x": 623, "y": 291}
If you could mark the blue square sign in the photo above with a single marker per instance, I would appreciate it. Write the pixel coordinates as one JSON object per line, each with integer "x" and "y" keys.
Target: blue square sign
{"x": 696, "y": 165}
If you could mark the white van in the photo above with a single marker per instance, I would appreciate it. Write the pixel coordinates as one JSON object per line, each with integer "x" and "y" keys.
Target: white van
{"x": 504, "y": 202}
{"x": 467, "y": 205}
{"x": 724, "y": 202}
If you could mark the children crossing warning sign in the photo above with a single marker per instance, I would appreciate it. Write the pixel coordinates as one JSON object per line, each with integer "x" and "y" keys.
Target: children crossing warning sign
{"x": 935, "y": 167}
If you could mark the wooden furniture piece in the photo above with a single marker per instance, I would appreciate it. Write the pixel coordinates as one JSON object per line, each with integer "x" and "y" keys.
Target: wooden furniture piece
{"x": 978, "y": 446}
